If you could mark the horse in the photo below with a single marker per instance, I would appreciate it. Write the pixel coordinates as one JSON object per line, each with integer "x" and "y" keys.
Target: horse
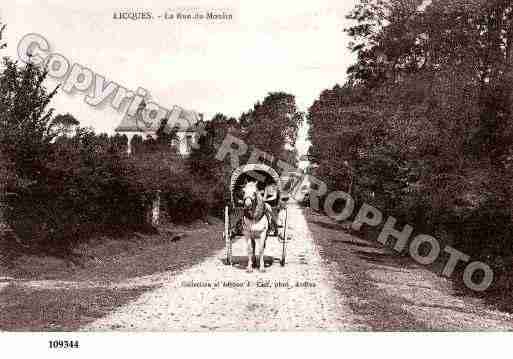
{"x": 255, "y": 223}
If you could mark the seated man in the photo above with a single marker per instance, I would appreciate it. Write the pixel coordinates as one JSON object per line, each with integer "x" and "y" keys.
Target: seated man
{"x": 271, "y": 195}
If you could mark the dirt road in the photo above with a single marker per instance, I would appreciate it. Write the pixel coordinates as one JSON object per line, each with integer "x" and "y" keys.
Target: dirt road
{"x": 332, "y": 281}
{"x": 299, "y": 296}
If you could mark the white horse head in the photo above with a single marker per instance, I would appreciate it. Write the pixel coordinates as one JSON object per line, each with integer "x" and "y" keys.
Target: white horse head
{"x": 250, "y": 194}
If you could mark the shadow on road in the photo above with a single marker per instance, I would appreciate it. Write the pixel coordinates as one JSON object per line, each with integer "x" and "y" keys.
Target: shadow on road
{"x": 30, "y": 309}
{"x": 241, "y": 262}
{"x": 59, "y": 298}
{"x": 353, "y": 258}
{"x": 389, "y": 291}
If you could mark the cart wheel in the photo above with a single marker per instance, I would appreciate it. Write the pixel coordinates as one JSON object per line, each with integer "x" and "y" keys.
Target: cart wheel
{"x": 283, "y": 252}
{"x": 284, "y": 241}
{"x": 227, "y": 236}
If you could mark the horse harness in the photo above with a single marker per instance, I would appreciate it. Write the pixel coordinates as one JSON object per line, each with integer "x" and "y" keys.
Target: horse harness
{"x": 257, "y": 210}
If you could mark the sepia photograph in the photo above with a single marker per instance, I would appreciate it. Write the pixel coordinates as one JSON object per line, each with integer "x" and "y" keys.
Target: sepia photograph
{"x": 193, "y": 167}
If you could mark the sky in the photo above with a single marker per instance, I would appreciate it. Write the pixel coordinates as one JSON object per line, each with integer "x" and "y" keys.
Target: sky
{"x": 209, "y": 66}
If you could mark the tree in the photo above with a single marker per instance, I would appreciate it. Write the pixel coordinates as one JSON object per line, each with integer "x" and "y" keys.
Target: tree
{"x": 290, "y": 156}
{"x": 424, "y": 121}
{"x": 272, "y": 126}
{"x": 383, "y": 38}
{"x": 3, "y": 45}
{"x": 65, "y": 124}
{"x": 26, "y": 123}
{"x": 166, "y": 135}
{"x": 202, "y": 161}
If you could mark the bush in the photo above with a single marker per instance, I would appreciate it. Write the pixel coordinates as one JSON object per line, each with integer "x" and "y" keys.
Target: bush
{"x": 187, "y": 195}
{"x": 67, "y": 189}
{"x": 83, "y": 189}
{"x": 189, "y": 198}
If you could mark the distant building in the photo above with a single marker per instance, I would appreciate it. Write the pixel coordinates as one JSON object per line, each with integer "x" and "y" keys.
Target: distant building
{"x": 187, "y": 135}
{"x": 304, "y": 162}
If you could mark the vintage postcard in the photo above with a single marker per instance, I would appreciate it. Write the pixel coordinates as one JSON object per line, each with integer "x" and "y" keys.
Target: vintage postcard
{"x": 242, "y": 166}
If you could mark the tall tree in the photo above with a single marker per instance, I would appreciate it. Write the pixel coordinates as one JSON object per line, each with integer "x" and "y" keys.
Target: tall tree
{"x": 202, "y": 161}
{"x": 272, "y": 126}
{"x": 65, "y": 123}
{"x": 26, "y": 122}
{"x": 3, "y": 26}
{"x": 424, "y": 122}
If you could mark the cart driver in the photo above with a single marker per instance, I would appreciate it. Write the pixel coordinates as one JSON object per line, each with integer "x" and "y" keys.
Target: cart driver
{"x": 270, "y": 195}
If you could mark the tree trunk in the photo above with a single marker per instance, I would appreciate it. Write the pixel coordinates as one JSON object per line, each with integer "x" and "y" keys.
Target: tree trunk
{"x": 155, "y": 210}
